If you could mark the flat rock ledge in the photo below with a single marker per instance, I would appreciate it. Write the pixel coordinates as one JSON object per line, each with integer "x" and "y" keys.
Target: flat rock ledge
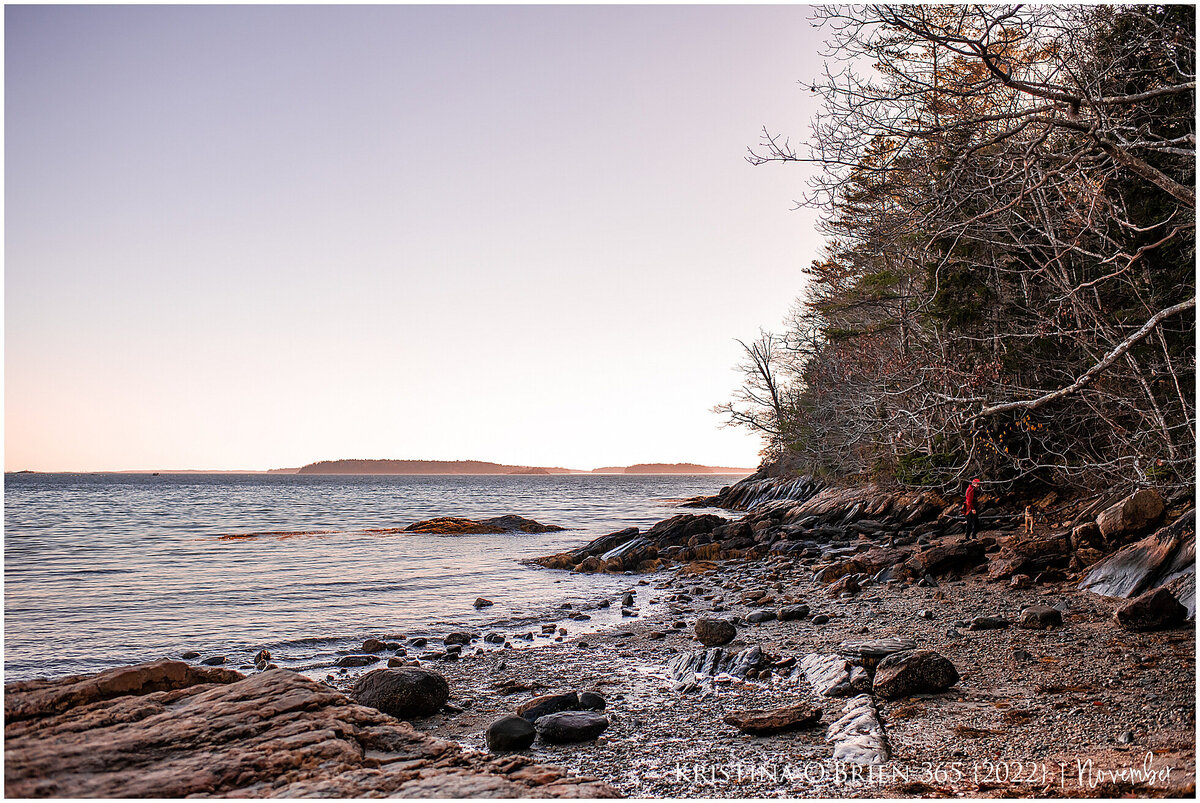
{"x": 165, "y": 729}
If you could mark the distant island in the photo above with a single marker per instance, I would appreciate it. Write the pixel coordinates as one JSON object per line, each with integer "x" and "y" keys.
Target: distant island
{"x": 422, "y": 467}
{"x": 676, "y": 468}
{"x": 445, "y": 467}
{"x": 436, "y": 467}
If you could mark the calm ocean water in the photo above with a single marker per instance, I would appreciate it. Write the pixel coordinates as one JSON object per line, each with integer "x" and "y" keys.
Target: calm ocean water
{"x": 103, "y": 570}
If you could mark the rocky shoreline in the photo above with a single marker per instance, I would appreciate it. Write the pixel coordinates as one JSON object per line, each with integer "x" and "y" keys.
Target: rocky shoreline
{"x": 847, "y": 643}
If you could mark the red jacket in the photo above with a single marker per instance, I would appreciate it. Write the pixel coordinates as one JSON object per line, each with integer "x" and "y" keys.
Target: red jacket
{"x": 969, "y": 502}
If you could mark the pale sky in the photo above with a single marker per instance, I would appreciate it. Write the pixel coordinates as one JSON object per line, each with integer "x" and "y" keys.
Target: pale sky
{"x": 260, "y": 236}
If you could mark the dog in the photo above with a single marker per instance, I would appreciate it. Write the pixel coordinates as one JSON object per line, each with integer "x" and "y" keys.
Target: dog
{"x": 1028, "y": 520}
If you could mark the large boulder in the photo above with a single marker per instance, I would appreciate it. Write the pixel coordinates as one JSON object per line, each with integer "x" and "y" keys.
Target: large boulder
{"x": 715, "y": 632}
{"x": 919, "y": 672}
{"x": 1033, "y": 553}
{"x": 774, "y": 720}
{"x": 946, "y": 558}
{"x": 1157, "y": 609}
{"x": 571, "y": 726}
{"x": 510, "y": 733}
{"x": 1132, "y": 514}
{"x": 404, "y": 693}
{"x": 548, "y": 704}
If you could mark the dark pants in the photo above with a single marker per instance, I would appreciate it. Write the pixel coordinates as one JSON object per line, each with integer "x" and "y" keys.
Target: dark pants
{"x": 972, "y": 524}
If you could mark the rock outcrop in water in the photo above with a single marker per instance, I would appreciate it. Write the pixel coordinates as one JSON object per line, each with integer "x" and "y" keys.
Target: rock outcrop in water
{"x": 165, "y": 729}
{"x": 452, "y": 525}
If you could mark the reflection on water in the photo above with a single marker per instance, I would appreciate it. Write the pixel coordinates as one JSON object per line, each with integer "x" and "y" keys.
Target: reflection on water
{"x": 102, "y": 570}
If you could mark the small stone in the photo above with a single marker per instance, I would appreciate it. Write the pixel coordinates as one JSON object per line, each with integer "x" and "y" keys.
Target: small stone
{"x": 1126, "y": 737}
{"x": 714, "y": 632}
{"x": 774, "y": 720}
{"x": 263, "y": 655}
{"x": 1040, "y": 617}
{"x": 925, "y": 613}
{"x": 590, "y": 701}
{"x": 758, "y": 617}
{"x": 510, "y": 733}
{"x": 373, "y": 645}
{"x": 458, "y": 638}
{"x": 790, "y": 613}
{"x": 188, "y": 656}
{"x": 357, "y": 660}
{"x": 1020, "y": 581}
{"x": 481, "y": 602}
{"x": 820, "y": 619}
{"x": 215, "y": 660}
{"x": 988, "y": 623}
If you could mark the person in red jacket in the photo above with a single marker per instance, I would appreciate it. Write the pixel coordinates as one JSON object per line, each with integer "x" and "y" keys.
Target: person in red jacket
{"x": 970, "y": 508}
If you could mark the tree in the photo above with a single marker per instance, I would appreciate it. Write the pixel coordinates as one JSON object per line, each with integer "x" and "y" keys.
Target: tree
{"x": 1008, "y": 284}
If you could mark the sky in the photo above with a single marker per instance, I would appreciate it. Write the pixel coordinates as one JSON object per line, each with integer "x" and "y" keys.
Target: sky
{"x": 249, "y": 237}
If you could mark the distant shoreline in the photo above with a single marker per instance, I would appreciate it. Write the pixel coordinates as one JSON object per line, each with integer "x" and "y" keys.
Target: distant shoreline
{"x": 437, "y": 468}
{"x": 274, "y": 472}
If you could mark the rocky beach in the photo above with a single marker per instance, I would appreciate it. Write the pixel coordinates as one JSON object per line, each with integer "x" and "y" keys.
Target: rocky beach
{"x": 833, "y": 642}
